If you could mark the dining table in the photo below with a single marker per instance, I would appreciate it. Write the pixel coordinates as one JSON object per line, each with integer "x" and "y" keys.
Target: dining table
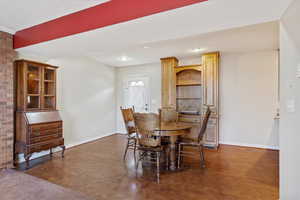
{"x": 173, "y": 130}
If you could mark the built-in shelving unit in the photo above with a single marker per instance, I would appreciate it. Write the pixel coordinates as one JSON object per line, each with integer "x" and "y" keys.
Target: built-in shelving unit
{"x": 191, "y": 91}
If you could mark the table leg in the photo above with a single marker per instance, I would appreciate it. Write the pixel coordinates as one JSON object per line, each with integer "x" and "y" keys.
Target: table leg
{"x": 173, "y": 140}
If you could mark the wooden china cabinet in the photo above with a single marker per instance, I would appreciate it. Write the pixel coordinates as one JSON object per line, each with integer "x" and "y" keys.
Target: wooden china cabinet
{"x": 190, "y": 90}
{"x": 38, "y": 123}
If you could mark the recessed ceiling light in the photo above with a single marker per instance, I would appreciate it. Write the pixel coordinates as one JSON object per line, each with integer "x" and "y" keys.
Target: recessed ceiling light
{"x": 125, "y": 58}
{"x": 197, "y": 50}
{"x": 146, "y": 47}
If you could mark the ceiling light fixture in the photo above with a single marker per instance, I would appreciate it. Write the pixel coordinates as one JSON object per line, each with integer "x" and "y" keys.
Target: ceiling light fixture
{"x": 197, "y": 50}
{"x": 125, "y": 58}
{"x": 146, "y": 47}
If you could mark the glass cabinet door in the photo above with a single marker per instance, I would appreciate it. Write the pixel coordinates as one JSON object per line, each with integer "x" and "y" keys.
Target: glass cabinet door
{"x": 33, "y": 87}
{"x": 49, "y": 88}
{"x": 49, "y": 102}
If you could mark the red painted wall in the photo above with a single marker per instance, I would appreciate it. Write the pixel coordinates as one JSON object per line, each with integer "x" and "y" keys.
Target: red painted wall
{"x": 109, "y": 13}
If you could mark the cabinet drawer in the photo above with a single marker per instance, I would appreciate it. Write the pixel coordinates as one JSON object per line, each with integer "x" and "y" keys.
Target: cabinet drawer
{"x": 190, "y": 118}
{"x": 34, "y": 140}
{"x": 45, "y": 145}
{"x": 48, "y": 126}
{"x": 39, "y": 133}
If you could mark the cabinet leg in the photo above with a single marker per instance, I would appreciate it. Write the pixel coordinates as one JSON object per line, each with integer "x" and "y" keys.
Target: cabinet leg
{"x": 51, "y": 153}
{"x": 27, "y": 158}
{"x": 63, "y": 151}
{"x": 16, "y": 159}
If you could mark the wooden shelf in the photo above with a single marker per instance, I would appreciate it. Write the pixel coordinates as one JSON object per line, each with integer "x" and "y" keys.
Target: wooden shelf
{"x": 49, "y": 95}
{"x": 49, "y": 81}
{"x": 33, "y": 79}
{"x": 182, "y": 113}
{"x": 186, "y": 98}
{"x": 188, "y": 84}
{"x": 33, "y": 95}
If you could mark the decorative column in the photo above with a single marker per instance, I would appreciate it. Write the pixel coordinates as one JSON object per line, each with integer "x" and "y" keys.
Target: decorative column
{"x": 168, "y": 82}
{"x": 210, "y": 63}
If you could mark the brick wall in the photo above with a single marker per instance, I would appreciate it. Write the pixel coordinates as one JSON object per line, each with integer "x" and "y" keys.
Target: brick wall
{"x": 7, "y": 56}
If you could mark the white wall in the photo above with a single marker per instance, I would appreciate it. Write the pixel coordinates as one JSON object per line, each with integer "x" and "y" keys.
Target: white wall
{"x": 86, "y": 99}
{"x": 248, "y": 94}
{"x": 153, "y": 71}
{"x": 290, "y": 121}
{"x": 248, "y": 99}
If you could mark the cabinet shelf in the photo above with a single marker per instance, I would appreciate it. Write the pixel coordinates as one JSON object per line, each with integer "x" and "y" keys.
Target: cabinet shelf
{"x": 187, "y": 98}
{"x": 188, "y": 84}
{"x": 189, "y": 113}
{"x": 33, "y": 79}
{"x": 49, "y": 81}
{"x": 33, "y": 95}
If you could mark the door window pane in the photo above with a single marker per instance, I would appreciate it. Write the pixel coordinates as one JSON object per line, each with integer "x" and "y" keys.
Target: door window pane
{"x": 136, "y": 95}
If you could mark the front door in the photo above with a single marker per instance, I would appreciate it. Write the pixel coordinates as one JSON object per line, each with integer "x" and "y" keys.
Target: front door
{"x": 136, "y": 93}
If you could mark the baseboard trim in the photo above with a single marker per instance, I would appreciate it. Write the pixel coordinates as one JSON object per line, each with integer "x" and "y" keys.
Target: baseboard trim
{"x": 251, "y": 145}
{"x": 43, "y": 153}
{"x": 88, "y": 140}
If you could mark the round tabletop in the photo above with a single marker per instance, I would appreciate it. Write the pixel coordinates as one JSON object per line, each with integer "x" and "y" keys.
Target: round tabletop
{"x": 173, "y": 129}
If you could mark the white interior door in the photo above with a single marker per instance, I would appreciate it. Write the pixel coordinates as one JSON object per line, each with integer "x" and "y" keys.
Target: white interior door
{"x": 136, "y": 93}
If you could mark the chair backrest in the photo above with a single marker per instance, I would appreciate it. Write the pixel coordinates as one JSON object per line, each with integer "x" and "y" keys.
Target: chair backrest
{"x": 146, "y": 124}
{"x": 204, "y": 124}
{"x": 168, "y": 115}
{"x": 128, "y": 118}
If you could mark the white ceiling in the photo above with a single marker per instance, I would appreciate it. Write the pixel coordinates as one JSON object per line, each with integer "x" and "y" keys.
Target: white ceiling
{"x": 250, "y": 38}
{"x": 174, "y": 32}
{"x": 16, "y": 15}
{"x": 291, "y": 21}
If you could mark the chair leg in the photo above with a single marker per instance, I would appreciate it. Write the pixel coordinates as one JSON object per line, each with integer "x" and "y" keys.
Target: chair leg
{"x": 134, "y": 149}
{"x": 158, "y": 166}
{"x": 136, "y": 162}
{"x": 179, "y": 156}
{"x": 124, "y": 157}
{"x": 202, "y": 158}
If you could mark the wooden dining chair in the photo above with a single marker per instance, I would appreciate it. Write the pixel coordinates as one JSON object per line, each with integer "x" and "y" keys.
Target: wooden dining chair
{"x": 128, "y": 118}
{"x": 149, "y": 140}
{"x": 198, "y": 143}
